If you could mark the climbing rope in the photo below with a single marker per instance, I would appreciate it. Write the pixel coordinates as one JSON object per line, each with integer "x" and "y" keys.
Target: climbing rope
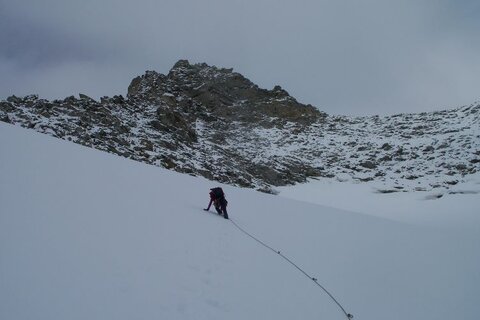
{"x": 315, "y": 280}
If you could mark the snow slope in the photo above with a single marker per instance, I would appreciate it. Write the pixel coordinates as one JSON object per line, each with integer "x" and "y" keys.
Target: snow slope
{"x": 89, "y": 235}
{"x": 453, "y": 207}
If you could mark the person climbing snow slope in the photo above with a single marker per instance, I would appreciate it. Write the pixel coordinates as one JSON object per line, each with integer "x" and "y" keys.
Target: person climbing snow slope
{"x": 217, "y": 197}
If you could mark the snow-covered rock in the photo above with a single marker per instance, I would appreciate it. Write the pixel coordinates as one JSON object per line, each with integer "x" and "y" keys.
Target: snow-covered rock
{"x": 213, "y": 122}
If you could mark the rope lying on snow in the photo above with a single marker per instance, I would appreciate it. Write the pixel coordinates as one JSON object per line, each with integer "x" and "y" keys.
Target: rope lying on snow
{"x": 348, "y": 315}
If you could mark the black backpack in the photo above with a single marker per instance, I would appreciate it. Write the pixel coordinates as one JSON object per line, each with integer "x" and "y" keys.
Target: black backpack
{"x": 218, "y": 192}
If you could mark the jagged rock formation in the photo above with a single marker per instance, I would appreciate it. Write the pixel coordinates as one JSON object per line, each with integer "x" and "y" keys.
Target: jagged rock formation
{"x": 203, "y": 120}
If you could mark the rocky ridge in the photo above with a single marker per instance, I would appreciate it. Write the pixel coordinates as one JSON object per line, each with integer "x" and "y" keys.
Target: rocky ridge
{"x": 203, "y": 120}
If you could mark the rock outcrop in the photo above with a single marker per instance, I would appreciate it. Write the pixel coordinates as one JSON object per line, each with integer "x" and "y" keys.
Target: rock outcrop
{"x": 213, "y": 122}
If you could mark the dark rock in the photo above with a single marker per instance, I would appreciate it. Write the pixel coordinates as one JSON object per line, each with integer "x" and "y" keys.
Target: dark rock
{"x": 85, "y": 97}
{"x": 134, "y": 87}
{"x": 279, "y": 92}
{"x": 5, "y": 118}
{"x": 14, "y": 99}
{"x": 70, "y": 99}
{"x": 169, "y": 163}
{"x": 400, "y": 151}
{"x": 366, "y": 179}
{"x": 386, "y": 147}
{"x": 368, "y": 164}
{"x": 387, "y": 191}
{"x": 181, "y": 64}
{"x": 443, "y": 145}
{"x": 270, "y": 175}
{"x": 429, "y": 149}
{"x": 6, "y": 107}
{"x": 148, "y": 145}
{"x": 386, "y": 158}
{"x": 31, "y": 97}
{"x": 119, "y": 99}
{"x": 451, "y": 182}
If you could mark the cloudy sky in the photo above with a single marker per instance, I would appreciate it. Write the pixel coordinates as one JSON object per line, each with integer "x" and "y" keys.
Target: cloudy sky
{"x": 344, "y": 56}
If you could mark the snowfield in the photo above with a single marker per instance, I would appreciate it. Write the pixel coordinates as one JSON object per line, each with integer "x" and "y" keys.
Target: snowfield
{"x": 89, "y": 235}
{"x": 453, "y": 207}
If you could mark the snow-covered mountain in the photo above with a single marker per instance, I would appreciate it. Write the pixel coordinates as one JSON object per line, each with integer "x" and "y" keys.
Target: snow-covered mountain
{"x": 88, "y": 235}
{"x": 213, "y": 122}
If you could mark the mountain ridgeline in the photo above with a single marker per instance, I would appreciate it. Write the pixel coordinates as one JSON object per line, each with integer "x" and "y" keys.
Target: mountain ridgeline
{"x": 213, "y": 122}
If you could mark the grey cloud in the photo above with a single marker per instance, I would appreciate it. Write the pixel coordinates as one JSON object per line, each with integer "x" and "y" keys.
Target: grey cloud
{"x": 346, "y": 57}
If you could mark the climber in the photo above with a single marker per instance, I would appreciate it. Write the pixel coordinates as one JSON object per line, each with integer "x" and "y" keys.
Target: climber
{"x": 217, "y": 197}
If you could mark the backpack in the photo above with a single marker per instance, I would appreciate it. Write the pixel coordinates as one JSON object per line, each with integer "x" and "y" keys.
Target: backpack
{"x": 218, "y": 192}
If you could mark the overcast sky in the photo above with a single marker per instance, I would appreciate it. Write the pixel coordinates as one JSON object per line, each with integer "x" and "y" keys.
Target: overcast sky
{"x": 355, "y": 57}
